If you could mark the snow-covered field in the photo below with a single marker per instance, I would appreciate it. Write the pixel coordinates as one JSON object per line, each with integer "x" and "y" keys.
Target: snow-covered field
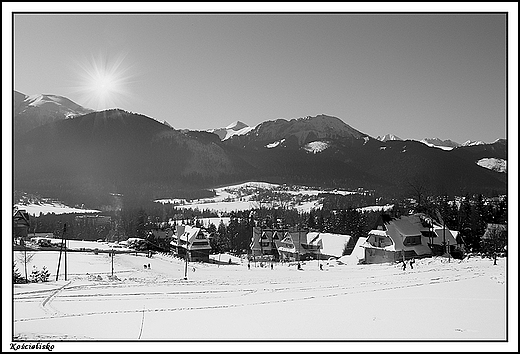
{"x": 437, "y": 300}
{"x": 52, "y": 207}
{"x": 242, "y": 197}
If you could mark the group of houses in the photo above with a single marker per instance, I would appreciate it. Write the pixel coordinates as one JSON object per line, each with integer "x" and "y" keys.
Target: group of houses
{"x": 392, "y": 240}
{"x": 296, "y": 244}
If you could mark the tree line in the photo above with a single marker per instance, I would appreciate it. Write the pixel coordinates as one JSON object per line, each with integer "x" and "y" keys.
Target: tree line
{"x": 468, "y": 215}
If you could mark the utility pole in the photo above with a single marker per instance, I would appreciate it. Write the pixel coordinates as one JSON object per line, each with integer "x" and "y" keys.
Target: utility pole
{"x": 112, "y": 262}
{"x": 65, "y": 254}
{"x": 318, "y": 253}
{"x": 444, "y": 236}
{"x": 25, "y": 258}
{"x": 61, "y": 249}
{"x": 186, "y": 262}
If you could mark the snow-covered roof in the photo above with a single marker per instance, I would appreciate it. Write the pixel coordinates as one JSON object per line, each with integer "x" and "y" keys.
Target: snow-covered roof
{"x": 378, "y": 233}
{"x": 189, "y": 234}
{"x": 287, "y": 249}
{"x": 331, "y": 244}
{"x": 440, "y": 232}
{"x": 406, "y": 227}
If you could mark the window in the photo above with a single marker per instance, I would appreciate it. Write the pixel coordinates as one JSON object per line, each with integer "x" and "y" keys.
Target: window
{"x": 412, "y": 241}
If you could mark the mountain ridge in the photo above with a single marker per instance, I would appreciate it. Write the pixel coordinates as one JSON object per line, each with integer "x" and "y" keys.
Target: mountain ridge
{"x": 115, "y": 151}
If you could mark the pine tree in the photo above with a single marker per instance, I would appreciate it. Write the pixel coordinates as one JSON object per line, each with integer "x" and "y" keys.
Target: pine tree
{"x": 34, "y": 277}
{"x": 44, "y": 274}
{"x": 17, "y": 277}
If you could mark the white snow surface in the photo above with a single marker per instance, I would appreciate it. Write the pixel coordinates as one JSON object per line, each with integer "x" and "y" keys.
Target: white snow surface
{"x": 491, "y": 163}
{"x": 473, "y": 143}
{"x": 275, "y": 144}
{"x": 447, "y": 148}
{"x": 242, "y": 197}
{"x": 385, "y": 207}
{"x": 243, "y": 131}
{"x": 439, "y": 299}
{"x": 316, "y": 146}
{"x": 36, "y": 209}
{"x": 235, "y": 128}
{"x": 332, "y": 244}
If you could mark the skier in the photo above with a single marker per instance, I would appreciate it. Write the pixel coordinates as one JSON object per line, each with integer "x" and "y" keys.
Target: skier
{"x": 411, "y": 263}
{"x": 404, "y": 265}
{"x": 249, "y": 266}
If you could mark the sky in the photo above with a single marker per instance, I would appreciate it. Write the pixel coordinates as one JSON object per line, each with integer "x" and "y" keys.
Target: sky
{"x": 412, "y": 75}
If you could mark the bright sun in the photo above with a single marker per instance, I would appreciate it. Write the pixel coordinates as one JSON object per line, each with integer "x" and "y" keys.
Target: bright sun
{"x": 103, "y": 81}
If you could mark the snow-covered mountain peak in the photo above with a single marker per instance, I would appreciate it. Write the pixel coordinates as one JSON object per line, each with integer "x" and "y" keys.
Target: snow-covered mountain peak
{"x": 304, "y": 130}
{"x": 237, "y": 125}
{"x": 48, "y": 101}
{"x": 36, "y": 110}
{"x": 388, "y": 137}
{"x": 473, "y": 143}
{"x": 235, "y": 128}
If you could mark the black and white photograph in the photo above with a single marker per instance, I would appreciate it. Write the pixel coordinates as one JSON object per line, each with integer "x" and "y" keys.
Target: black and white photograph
{"x": 260, "y": 177}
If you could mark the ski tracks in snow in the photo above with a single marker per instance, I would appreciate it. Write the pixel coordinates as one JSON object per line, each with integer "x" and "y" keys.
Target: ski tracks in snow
{"x": 46, "y": 304}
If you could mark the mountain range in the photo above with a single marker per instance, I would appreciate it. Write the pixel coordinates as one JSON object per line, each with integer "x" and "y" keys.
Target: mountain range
{"x": 66, "y": 151}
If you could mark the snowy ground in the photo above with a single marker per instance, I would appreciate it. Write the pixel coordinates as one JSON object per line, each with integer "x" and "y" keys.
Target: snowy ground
{"x": 241, "y": 197}
{"x": 437, "y": 300}
{"x": 41, "y": 208}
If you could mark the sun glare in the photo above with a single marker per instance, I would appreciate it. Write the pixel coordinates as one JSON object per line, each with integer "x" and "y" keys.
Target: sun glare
{"x": 103, "y": 81}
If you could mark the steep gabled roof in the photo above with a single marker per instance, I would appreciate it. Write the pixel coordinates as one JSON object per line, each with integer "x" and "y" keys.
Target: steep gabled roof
{"x": 443, "y": 234}
{"x": 21, "y": 216}
{"x": 406, "y": 227}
